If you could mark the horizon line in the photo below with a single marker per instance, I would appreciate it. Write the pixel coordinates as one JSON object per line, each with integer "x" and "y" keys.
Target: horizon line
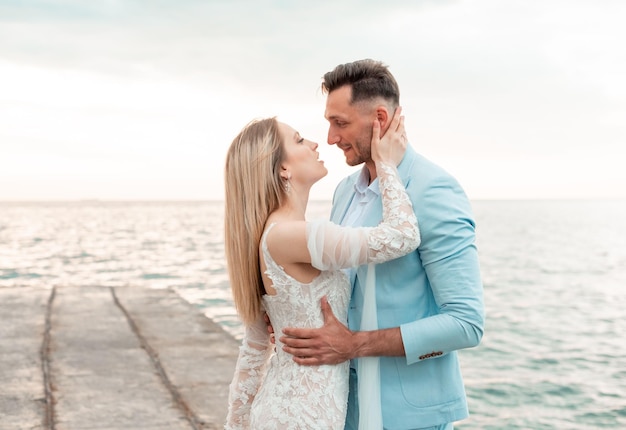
{"x": 96, "y": 200}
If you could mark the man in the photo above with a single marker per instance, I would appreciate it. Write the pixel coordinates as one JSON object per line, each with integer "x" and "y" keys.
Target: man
{"x": 428, "y": 304}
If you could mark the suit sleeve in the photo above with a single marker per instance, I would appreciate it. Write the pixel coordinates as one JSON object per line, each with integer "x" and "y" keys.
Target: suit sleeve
{"x": 449, "y": 256}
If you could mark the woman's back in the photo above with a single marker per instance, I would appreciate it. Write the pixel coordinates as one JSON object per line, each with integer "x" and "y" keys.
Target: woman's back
{"x": 294, "y": 396}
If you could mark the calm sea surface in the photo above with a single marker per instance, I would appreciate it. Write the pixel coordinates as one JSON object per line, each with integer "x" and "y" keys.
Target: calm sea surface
{"x": 554, "y": 352}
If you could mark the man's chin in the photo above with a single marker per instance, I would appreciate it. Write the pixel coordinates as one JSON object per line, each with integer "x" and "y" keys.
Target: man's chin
{"x": 353, "y": 161}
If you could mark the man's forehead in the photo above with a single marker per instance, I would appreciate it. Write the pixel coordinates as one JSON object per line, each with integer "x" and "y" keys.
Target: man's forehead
{"x": 332, "y": 113}
{"x": 338, "y": 104}
{"x": 347, "y": 111}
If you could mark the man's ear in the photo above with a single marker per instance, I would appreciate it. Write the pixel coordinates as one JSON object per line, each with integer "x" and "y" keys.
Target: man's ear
{"x": 383, "y": 117}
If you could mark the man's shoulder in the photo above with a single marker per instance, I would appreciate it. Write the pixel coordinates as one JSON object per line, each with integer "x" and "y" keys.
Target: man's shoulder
{"x": 420, "y": 165}
{"x": 421, "y": 175}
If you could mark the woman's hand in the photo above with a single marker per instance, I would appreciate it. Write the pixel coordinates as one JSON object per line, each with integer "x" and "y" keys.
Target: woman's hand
{"x": 391, "y": 147}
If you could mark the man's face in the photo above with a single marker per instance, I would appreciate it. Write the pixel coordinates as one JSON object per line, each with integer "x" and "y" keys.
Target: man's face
{"x": 350, "y": 126}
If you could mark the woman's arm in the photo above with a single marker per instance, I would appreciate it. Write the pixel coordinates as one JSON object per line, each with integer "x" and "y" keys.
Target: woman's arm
{"x": 251, "y": 366}
{"x": 328, "y": 246}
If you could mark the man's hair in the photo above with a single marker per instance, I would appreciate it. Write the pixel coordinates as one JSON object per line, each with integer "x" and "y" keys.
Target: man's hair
{"x": 369, "y": 80}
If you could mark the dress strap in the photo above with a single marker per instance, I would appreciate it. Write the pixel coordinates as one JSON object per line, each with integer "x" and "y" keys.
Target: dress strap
{"x": 266, "y": 253}
{"x": 272, "y": 269}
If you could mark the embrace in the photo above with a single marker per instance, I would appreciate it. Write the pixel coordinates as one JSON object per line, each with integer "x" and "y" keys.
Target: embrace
{"x": 368, "y": 309}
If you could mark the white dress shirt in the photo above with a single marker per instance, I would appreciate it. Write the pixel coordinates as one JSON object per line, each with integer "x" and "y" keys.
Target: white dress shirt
{"x": 365, "y": 194}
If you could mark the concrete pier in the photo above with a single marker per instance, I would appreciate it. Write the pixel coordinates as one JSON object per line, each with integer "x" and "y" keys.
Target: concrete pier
{"x": 75, "y": 358}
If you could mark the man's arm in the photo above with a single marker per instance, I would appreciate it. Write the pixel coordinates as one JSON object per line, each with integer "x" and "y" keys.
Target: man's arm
{"x": 451, "y": 263}
{"x": 334, "y": 343}
{"x": 450, "y": 259}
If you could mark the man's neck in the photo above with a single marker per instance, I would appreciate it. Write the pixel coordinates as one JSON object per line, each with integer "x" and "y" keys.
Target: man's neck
{"x": 371, "y": 168}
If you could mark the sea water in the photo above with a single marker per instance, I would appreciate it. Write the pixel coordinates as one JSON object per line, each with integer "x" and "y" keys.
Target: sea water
{"x": 554, "y": 351}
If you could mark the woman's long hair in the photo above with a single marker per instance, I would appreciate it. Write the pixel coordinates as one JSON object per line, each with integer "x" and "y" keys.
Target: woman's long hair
{"x": 254, "y": 189}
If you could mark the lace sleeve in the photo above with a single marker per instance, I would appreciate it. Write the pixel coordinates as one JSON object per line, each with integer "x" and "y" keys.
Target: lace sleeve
{"x": 334, "y": 247}
{"x": 252, "y": 363}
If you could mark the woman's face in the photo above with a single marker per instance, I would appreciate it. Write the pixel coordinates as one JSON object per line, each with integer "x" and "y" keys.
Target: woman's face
{"x": 301, "y": 158}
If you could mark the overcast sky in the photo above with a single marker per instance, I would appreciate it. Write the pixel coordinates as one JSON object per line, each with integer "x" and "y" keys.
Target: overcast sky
{"x": 139, "y": 99}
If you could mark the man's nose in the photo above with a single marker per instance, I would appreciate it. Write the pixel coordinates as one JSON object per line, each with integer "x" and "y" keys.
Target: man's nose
{"x": 333, "y": 138}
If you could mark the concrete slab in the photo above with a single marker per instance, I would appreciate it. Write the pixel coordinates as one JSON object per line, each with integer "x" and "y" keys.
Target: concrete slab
{"x": 101, "y": 376}
{"x": 124, "y": 358}
{"x": 197, "y": 354}
{"x": 22, "y": 323}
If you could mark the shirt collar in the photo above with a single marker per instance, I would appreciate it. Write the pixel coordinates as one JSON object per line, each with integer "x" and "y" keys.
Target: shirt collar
{"x": 362, "y": 185}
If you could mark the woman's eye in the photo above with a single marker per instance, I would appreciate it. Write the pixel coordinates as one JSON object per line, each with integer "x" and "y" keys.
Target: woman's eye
{"x": 300, "y": 140}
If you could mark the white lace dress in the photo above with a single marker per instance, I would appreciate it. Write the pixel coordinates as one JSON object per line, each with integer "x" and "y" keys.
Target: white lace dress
{"x": 269, "y": 390}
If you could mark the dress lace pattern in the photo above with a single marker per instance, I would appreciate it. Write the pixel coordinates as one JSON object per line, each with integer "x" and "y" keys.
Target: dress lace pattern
{"x": 269, "y": 390}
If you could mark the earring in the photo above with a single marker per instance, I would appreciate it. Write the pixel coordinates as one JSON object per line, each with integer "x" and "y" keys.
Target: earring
{"x": 288, "y": 183}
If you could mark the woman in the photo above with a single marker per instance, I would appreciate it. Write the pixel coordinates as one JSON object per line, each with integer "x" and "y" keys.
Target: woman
{"x": 283, "y": 265}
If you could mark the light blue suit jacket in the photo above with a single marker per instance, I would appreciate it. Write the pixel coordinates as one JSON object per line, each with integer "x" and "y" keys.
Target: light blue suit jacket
{"x": 434, "y": 295}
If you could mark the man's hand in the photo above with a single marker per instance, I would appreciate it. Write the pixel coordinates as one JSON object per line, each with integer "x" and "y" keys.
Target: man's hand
{"x": 270, "y": 328}
{"x": 330, "y": 344}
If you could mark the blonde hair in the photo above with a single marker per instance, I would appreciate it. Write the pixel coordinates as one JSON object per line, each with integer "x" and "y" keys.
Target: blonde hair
{"x": 254, "y": 189}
